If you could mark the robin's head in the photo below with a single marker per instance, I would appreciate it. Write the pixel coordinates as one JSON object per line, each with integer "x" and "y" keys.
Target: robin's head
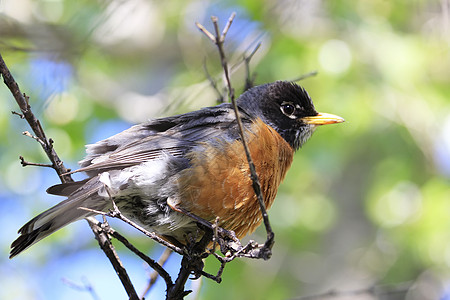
{"x": 287, "y": 108}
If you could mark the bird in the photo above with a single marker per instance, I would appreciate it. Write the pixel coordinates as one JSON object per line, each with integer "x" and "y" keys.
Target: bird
{"x": 193, "y": 162}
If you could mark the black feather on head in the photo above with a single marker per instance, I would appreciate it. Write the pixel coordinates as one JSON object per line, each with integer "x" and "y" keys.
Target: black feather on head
{"x": 281, "y": 105}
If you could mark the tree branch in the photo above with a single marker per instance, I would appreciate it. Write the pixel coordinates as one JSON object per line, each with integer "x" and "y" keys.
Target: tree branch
{"x": 23, "y": 102}
{"x": 109, "y": 250}
{"x": 192, "y": 263}
{"x": 116, "y": 213}
{"x": 157, "y": 266}
{"x": 304, "y": 76}
{"x": 218, "y": 40}
{"x": 154, "y": 276}
{"x": 249, "y": 79}
{"x": 213, "y": 84}
{"x": 24, "y": 105}
{"x": 25, "y": 163}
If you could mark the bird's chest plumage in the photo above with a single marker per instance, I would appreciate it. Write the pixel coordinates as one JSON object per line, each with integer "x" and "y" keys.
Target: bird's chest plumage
{"x": 218, "y": 183}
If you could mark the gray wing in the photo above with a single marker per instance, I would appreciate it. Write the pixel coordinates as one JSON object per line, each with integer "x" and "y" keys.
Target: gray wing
{"x": 151, "y": 140}
{"x": 173, "y": 136}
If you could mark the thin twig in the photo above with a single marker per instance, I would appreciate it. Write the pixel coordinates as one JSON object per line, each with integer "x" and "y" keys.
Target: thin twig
{"x": 25, "y": 163}
{"x": 218, "y": 40}
{"x": 227, "y": 26}
{"x": 253, "y": 48}
{"x": 213, "y": 83}
{"x": 115, "y": 213}
{"x": 304, "y": 76}
{"x": 192, "y": 263}
{"x": 154, "y": 276}
{"x": 206, "y": 32}
{"x": 177, "y": 291}
{"x": 152, "y": 263}
{"x": 18, "y": 114}
{"x": 37, "y": 139}
{"x": 246, "y": 58}
{"x": 108, "y": 248}
{"x": 23, "y": 102}
{"x": 215, "y": 230}
{"x": 223, "y": 233}
{"x": 249, "y": 79}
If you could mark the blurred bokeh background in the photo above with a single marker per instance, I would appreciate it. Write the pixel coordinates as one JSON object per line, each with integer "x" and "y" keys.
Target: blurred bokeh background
{"x": 366, "y": 203}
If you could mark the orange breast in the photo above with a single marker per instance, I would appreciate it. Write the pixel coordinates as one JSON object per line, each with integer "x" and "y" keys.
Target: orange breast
{"x": 219, "y": 185}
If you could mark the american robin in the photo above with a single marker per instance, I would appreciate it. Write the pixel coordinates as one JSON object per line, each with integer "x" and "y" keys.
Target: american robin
{"x": 193, "y": 162}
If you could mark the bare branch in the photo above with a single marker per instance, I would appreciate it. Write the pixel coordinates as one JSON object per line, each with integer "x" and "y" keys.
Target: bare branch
{"x": 192, "y": 263}
{"x": 25, "y": 163}
{"x": 304, "y": 76}
{"x": 18, "y": 114}
{"x": 22, "y": 101}
{"x": 115, "y": 213}
{"x": 249, "y": 79}
{"x": 206, "y": 32}
{"x": 223, "y": 233}
{"x": 105, "y": 244}
{"x": 37, "y": 139}
{"x": 265, "y": 252}
{"x": 154, "y": 276}
{"x": 219, "y": 41}
{"x": 227, "y": 26}
{"x": 152, "y": 263}
{"x": 213, "y": 83}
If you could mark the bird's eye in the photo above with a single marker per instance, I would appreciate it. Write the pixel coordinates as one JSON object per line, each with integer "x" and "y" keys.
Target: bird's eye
{"x": 288, "y": 109}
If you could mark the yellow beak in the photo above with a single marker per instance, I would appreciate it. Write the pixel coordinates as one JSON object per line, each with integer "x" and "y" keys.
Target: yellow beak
{"x": 322, "y": 119}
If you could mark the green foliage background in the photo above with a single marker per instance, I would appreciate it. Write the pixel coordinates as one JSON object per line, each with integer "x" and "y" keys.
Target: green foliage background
{"x": 365, "y": 202}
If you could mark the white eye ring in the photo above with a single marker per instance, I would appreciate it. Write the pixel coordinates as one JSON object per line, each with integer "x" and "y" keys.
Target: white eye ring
{"x": 288, "y": 109}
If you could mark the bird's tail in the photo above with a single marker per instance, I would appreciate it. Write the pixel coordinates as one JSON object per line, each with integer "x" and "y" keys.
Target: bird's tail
{"x": 57, "y": 217}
